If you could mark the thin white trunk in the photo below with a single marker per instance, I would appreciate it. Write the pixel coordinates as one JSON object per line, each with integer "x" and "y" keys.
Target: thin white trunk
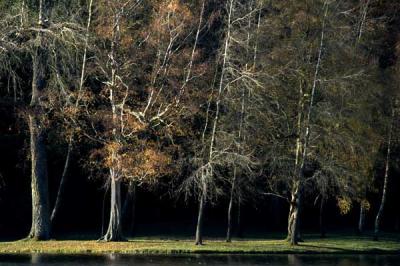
{"x": 241, "y": 138}
{"x": 22, "y": 16}
{"x": 203, "y": 197}
{"x": 313, "y": 90}
{"x": 257, "y": 37}
{"x": 64, "y": 175}
{"x": 222, "y": 78}
{"x": 114, "y": 232}
{"x": 84, "y": 60}
{"x": 363, "y": 19}
{"x": 386, "y": 179}
{"x": 297, "y": 186}
{"x": 190, "y": 66}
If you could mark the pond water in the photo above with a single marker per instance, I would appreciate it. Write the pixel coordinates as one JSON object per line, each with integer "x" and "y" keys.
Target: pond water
{"x": 199, "y": 260}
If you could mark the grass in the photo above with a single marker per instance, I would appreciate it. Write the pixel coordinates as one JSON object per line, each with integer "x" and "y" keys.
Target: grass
{"x": 334, "y": 245}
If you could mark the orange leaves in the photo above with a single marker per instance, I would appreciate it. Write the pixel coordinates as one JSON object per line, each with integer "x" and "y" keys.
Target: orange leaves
{"x": 149, "y": 164}
{"x": 111, "y": 158}
{"x": 104, "y": 29}
{"x": 173, "y": 6}
{"x": 144, "y": 164}
{"x": 132, "y": 124}
{"x": 136, "y": 106}
{"x": 178, "y": 9}
{"x": 113, "y": 16}
{"x": 127, "y": 41}
{"x": 170, "y": 15}
{"x": 71, "y": 111}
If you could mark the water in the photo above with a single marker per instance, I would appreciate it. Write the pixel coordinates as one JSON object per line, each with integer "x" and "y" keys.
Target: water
{"x": 200, "y": 260}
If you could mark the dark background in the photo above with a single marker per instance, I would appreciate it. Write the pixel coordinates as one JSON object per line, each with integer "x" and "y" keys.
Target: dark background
{"x": 157, "y": 213}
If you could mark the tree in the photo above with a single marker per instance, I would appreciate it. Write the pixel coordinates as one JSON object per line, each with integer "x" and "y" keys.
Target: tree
{"x": 316, "y": 66}
{"x": 40, "y": 200}
{"x": 142, "y": 93}
{"x": 217, "y": 143}
{"x": 48, "y": 41}
{"x": 243, "y": 89}
{"x": 43, "y": 40}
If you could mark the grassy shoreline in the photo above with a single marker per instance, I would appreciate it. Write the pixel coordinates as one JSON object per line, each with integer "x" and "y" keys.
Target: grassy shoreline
{"x": 333, "y": 245}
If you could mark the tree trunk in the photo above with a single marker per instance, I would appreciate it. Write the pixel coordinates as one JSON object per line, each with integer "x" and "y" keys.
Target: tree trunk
{"x": 203, "y": 197}
{"x": 361, "y": 221}
{"x": 40, "y": 229}
{"x": 378, "y": 218}
{"x": 61, "y": 188}
{"x": 239, "y": 218}
{"x": 114, "y": 231}
{"x": 364, "y": 14}
{"x": 295, "y": 205}
{"x": 199, "y": 227}
{"x": 293, "y": 223}
{"x": 321, "y": 218}
{"x": 386, "y": 181}
{"x": 229, "y": 226}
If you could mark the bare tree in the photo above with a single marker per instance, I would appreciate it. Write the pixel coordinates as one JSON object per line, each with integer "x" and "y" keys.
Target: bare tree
{"x": 47, "y": 40}
{"x": 241, "y": 91}
{"x": 301, "y": 157}
{"x": 205, "y": 173}
{"x": 40, "y": 200}
{"x": 133, "y": 114}
{"x": 309, "y": 95}
{"x": 219, "y": 149}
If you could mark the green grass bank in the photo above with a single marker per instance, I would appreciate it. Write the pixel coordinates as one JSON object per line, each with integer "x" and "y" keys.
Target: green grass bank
{"x": 312, "y": 245}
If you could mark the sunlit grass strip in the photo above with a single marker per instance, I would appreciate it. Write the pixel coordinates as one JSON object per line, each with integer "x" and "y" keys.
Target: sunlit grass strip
{"x": 315, "y": 246}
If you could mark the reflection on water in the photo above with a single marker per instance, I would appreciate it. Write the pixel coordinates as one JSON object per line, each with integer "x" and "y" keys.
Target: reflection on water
{"x": 199, "y": 260}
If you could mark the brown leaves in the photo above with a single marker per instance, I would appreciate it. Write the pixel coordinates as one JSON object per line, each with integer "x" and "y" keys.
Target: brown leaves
{"x": 141, "y": 161}
{"x": 170, "y": 16}
{"x": 147, "y": 165}
{"x": 177, "y": 9}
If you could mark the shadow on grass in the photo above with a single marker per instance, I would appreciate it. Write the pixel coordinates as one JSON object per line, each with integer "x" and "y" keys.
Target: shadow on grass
{"x": 339, "y": 250}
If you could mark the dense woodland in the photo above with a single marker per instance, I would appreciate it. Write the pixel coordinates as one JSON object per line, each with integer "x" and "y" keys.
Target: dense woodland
{"x": 290, "y": 106}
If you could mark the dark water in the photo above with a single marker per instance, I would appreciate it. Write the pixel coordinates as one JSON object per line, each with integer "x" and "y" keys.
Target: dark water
{"x": 206, "y": 260}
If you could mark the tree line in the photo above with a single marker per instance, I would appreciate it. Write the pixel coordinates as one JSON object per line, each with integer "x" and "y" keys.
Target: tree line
{"x": 297, "y": 100}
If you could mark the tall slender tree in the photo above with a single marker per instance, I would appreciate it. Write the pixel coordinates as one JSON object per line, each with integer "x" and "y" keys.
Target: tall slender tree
{"x": 389, "y": 144}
